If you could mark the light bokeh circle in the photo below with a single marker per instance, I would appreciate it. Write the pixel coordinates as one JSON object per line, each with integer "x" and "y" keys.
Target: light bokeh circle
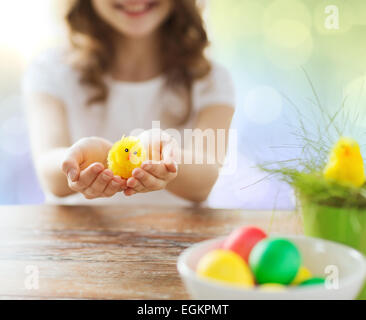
{"x": 286, "y": 10}
{"x": 359, "y": 11}
{"x": 230, "y": 21}
{"x": 263, "y": 105}
{"x": 354, "y": 95}
{"x": 289, "y": 44}
{"x": 287, "y": 33}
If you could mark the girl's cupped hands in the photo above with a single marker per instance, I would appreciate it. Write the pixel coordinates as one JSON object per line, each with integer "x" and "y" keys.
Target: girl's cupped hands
{"x": 85, "y": 166}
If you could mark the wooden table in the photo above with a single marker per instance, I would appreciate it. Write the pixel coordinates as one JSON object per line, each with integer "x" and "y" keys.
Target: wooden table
{"x": 111, "y": 252}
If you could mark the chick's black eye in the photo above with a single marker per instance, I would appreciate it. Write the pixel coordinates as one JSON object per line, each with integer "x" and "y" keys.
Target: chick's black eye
{"x": 126, "y": 150}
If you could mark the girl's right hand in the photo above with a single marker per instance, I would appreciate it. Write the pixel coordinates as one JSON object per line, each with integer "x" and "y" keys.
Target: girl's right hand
{"x": 85, "y": 167}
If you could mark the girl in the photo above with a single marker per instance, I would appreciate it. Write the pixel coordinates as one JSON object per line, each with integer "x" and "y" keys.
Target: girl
{"x": 129, "y": 63}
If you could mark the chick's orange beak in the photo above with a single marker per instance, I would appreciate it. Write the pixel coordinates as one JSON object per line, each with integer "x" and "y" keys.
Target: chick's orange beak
{"x": 347, "y": 151}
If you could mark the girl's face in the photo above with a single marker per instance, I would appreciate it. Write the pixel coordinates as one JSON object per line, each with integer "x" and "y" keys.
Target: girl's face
{"x": 133, "y": 18}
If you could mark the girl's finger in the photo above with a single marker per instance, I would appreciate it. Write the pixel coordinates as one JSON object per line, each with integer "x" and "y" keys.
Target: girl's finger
{"x": 171, "y": 166}
{"x": 100, "y": 183}
{"x": 129, "y": 192}
{"x": 70, "y": 165}
{"x": 87, "y": 177}
{"x": 136, "y": 185}
{"x": 157, "y": 170}
{"x": 71, "y": 169}
{"x": 123, "y": 184}
{"x": 114, "y": 186}
{"x": 149, "y": 181}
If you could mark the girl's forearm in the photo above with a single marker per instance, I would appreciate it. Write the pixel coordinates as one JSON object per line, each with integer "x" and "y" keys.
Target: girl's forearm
{"x": 194, "y": 181}
{"x": 49, "y": 171}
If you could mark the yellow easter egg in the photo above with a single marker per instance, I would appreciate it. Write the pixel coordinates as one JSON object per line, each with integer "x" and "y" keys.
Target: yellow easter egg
{"x": 125, "y": 156}
{"x": 302, "y": 275}
{"x": 272, "y": 287}
{"x": 225, "y": 266}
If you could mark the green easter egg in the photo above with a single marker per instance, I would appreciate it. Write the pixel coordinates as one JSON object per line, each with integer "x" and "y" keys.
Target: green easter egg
{"x": 275, "y": 260}
{"x": 313, "y": 281}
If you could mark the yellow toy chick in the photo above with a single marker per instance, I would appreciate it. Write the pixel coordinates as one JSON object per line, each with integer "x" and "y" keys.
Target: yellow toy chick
{"x": 126, "y": 155}
{"x": 345, "y": 164}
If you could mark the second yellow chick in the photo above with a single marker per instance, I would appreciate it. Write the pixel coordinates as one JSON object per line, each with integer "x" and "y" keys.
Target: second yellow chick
{"x": 345, "y": 164}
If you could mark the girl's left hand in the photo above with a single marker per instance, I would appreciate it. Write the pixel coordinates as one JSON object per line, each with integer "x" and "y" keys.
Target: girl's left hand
{"x": 161, "y": 168}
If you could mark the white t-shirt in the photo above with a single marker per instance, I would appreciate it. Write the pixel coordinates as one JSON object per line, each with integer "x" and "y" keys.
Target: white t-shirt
{"x": 130, "y": 106}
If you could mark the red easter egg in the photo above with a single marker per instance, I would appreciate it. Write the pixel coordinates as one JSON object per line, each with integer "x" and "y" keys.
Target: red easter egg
{"x": 242, "y": 240}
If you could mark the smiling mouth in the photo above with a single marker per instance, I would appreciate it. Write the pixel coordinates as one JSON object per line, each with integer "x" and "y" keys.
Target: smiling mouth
{"x": 136, "y": 8}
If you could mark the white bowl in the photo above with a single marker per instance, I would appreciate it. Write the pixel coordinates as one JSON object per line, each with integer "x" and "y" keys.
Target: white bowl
{"x": 317, "y": 255}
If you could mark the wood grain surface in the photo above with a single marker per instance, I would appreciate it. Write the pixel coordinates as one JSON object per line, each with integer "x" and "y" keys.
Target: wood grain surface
{"x": 111, "y": 252}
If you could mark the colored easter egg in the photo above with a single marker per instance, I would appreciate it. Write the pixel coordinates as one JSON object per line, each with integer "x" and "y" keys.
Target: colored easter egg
{"x": 272, "y": 287}
{"x": 242, "y": 241}
{"x": 303, "y": 275}
{"x": 275, "y": 260}
{"x": 225, "y": 266}
{"x": 313, "y": 281}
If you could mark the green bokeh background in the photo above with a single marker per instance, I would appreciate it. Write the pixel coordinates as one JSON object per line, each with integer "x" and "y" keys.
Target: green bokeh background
{"x": 269, "y": 42}
{"x": 267, "y": 45}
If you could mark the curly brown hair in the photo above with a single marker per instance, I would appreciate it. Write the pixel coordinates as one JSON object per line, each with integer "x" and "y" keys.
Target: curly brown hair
{"x": 184, "y": 40}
